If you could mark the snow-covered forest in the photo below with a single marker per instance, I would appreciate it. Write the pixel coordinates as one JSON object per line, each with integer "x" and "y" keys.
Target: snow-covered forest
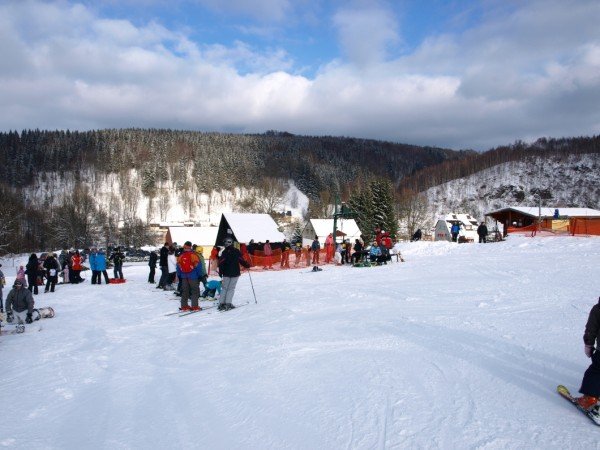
{"x": 102, "y": 185}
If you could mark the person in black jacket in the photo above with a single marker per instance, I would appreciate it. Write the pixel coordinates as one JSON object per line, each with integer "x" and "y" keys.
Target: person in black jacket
{"x": 163, "y": 262}
{"x": 229, "y": 270}
{"x": 358, "y": 251}
{"x": 152, "y": 264}
{"x": 590, "y": 385}
{"x": 52, "y": 268}
{"x": 31, "y": 270}
{"x": 482, "y": 232}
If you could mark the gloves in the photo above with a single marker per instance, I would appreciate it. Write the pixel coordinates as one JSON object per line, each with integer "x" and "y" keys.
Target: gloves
{"x": 28, "y": 319}
{"x": 589, "y": 351}
{"x": 9, "y": 317}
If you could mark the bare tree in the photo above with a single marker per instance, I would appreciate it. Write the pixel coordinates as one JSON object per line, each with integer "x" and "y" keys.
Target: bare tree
{"x": 413, "y": 211}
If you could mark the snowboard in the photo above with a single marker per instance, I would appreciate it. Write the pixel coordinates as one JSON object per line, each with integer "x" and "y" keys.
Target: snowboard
{"x": 16, "y": 329}
{"x": 564, "y": 392}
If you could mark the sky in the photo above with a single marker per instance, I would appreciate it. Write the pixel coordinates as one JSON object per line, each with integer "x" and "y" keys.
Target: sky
{"x": 461, "y": 346}
{"x": 455, "y": 74}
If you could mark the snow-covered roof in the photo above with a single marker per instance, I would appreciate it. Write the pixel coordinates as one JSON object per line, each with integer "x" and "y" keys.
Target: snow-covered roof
{"x": 247, "y": 226}
{"x": 534, "y": 211}
{"x": 196, "y": 235}
{"x": 464, "y": 218}
{"x": 324, "y": 227}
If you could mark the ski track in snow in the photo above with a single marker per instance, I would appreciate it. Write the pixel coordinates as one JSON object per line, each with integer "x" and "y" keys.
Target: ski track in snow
{"x": 462, "y": 346}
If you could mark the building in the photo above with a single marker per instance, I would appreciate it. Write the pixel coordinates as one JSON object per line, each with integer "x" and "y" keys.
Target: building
{"x": 468, "y": 228}
{"x": 346, "y": 229}
{"x": 204, "y": 236}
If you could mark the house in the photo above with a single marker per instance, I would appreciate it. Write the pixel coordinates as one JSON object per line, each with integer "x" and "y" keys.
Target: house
{"x": 246, "y": 226}
{"x": 556, "y": 220}
{"x": 346, "y": 229}
{"x": 204, "y": 236}
{"x": 468, "y": 227}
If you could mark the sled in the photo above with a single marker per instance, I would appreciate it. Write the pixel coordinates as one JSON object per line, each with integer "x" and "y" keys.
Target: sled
{"x": 116, "y": 280}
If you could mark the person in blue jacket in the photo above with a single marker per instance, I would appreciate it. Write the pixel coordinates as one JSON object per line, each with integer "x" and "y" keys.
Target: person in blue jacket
{"x": 454, "y": 230}
{"x": 189, "y": 272}
{"x": 213, "y": 287}
{"x": 374, "y": 252}
{"x": 98, "y": 266}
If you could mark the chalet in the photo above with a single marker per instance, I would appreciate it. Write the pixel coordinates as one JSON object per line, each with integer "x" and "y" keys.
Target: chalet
{"x": 468, "y": 228}
{"x": 346, "y": 229}
{"x": 556, "y": 220}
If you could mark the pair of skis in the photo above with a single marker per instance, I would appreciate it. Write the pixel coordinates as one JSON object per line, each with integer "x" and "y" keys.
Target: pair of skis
{"x": 564, "y": 393}
{"x": 187, "y": 313}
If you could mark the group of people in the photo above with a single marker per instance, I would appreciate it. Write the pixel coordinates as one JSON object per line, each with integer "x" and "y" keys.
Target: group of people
{"x": 188, "y": 266}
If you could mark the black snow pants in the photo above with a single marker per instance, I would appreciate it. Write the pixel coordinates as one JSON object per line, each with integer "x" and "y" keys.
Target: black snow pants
{"x": 590, "y": 385}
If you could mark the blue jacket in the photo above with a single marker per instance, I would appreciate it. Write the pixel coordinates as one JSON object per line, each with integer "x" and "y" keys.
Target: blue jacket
{"x": 195, "y": 274}
{"x": 214, "y": 284}
{"x": 375, "y": 251}
{"x": 98, "y": 261}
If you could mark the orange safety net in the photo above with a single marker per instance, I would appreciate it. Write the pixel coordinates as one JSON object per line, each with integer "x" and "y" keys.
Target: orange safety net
{"x": 589, "y": 226}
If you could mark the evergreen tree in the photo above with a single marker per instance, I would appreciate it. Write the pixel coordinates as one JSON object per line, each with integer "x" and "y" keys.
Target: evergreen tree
{"x": 384, "y": 212}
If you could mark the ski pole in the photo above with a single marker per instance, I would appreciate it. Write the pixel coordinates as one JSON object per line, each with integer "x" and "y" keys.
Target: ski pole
{"x": 252, "y": 284}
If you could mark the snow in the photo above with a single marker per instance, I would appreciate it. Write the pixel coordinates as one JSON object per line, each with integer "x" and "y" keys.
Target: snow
{"x": 462, "y": 346}
{"x": 248, "y": 226}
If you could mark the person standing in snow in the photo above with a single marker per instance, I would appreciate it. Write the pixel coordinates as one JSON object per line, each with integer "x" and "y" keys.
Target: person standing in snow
{"x": 98, "y": 266}
{"x": 19, "y": 304}
{"x": 152, "y": 265}
{"x": 189, "y": 271}
{"x": 482, "y": 232}
{"x": 2, "y": 283}
{"x": 52, "y": 268}
{"x": 268, "y": 252}
{"x": 172, "y": 268}
{"x": 454, "y": 230}
{"x": 31, "y": 270}
{"x": 590, "y": 385}
{"x": 329, "y": 248}
{"x": 117, "y": 257}
{"x": 286, "y": 249}
{"x": 163, "y": 262}
{"x": 315, "y": 248}
{"x": 229, "y": 269}
{"x": 76, "y": 267}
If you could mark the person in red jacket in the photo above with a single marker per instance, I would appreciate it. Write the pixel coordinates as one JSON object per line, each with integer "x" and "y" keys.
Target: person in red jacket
{"x": 76, "y": 267}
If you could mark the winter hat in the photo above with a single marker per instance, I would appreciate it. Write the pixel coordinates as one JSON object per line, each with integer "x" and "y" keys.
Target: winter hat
{"x": 18, "y": 283}
{"x": 227, "y": 241}
{"x": 199, "y": 249}
{"x": 187, "y": 244}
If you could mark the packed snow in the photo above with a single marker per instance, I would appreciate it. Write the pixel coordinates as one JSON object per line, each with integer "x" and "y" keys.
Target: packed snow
{"x": 460, "y": 346}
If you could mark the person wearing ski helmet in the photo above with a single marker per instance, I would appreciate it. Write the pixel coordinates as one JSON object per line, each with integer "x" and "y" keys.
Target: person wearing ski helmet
{"x": 229, "y": 269}
{"x": 590, "y": 385}
{"x": 19, "y": 304}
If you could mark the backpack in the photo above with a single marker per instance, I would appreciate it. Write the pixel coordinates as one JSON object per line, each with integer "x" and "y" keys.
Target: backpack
{"x": 188, "y": 261}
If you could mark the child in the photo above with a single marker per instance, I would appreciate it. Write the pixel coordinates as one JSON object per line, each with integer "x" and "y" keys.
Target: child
{"x": 590, "y": 385}
{"x": 213, "y": 287}
{"x": 21, "y": 276}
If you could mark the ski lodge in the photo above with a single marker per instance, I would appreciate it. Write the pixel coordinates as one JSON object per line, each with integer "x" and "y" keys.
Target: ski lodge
{"x": 573, "y": 221}
{"x": 204, "y": 236}
{"x": 245, "y": 227}
{"x": 346, "y": 229}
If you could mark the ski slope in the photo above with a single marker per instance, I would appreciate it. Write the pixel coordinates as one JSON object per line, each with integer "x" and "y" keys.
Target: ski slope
{"x": 460, "y": 347}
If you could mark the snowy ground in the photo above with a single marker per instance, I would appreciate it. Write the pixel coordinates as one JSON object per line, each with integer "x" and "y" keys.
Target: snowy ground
{"x": 460, "y": 347}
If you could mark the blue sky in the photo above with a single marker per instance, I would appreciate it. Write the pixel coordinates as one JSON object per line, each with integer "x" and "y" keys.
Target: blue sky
{"x": 457, "y": 74}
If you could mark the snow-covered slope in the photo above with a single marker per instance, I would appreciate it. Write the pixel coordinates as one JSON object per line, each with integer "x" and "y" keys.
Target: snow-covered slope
{"x": 573, "y": 181}
{"x": 461, "y": 346}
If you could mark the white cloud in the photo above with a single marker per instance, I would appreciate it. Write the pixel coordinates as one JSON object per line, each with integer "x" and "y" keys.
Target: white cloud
{"x": 365, "y": 34}
{"x": 531, "y": 72}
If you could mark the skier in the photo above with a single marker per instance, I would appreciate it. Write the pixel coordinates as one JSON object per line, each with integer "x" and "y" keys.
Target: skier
{"x": 20, "y": 301}
{"x": 229, "y": 270}
{"x": 590, "y": 385}
{"x": 315, "y": 249}
{"x": 2, "y": 283}
{"x": 52, "y": 268}
{"x": 189, "y": 271}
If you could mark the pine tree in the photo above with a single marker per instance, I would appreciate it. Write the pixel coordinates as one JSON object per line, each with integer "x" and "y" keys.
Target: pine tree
{"x": 384, "y": 213}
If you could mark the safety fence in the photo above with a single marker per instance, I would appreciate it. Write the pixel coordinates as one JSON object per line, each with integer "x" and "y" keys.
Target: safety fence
{"x": 574, "y": 227}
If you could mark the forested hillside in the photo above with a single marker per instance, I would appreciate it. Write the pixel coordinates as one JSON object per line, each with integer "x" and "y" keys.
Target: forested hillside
{"x": 60, "y": 184}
